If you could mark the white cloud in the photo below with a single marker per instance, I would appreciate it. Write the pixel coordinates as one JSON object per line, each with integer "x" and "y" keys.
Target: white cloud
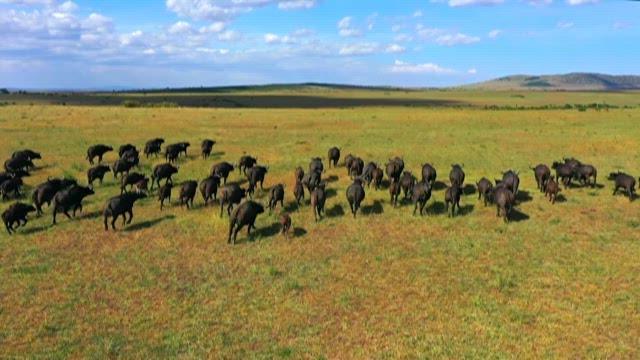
{"x": 472, "y": 71}
{"x": 395, "y": 48}
{"x": 131, "y": 38}
{"x": 214, "y": 27}
{"x": 180, "y": 27}
{"x": 494, "y": 33}
{"x": 359, "y": 49}
{"x": 277, "y": 39}
{"x": 565, "y": 25}
{"x": 456, "y": 3}
{"x": 296, "y": 4}
{"x": 417, "y": 13}
{"x": 345, "y": 28}
{"x": 402, "y": 67}
{"x": 619, "y": 25}
{"x": 402, "y": 38}
{"x": 581, "y": 2}
{"x": 444, "y": 37}
{"x": 227, "y": 9}
{"x": 229, "y": 35}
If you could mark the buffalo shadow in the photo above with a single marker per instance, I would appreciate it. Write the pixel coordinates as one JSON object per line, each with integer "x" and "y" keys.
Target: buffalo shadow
{"x": 375, "y": 208}
{"x": 336, "y": 211}
{"x": 146, "y": 224}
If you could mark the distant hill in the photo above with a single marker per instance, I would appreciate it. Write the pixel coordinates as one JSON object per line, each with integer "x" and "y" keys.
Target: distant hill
{"x": 573, "y": 81}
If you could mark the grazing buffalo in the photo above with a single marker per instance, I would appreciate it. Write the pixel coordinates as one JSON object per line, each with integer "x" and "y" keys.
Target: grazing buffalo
{"x": 551, "y": 189}
{"x": 504, "y": 200}
{"x": 122, "y": 166}
{"x": 394, "y": 191}
{"x": 367, "y": 173}
{"x": 206, "y": 147}
{"x": 70, "y": 199}
{"x": 511, "y": 180}
{"x": 163, "y": 171}
{"x": 188, "y": 192}
{"x": 164, "y": 193}
{"x": 542, "y": 174}
{"x": 407, "y": 181}
{"x": 256, "y": 175}
{"x": 456, "y": 176}
{"x": 124, "y": 148}
{"x": 18, "y": 164}
{"x": 311, "y": 180}
{"x": 586, "y": 174}
{"x": 420, "y": 194}
{"x": 131, "y": 179}
{"x": 485, "y": 188}
{"x": 318, "y": 198}
{"x": 285, "y": 224}
{"x": 564, "y": 172}
{"x": 625, "y": 182}
{"x": 276, "y": 194}
{"x": 96, "y": 173}
{"x": 394, "y": 169}
{"x": 97, "y": 151}
{"x": 316, "y": 165}
{"x": 429, "y": 174}
{"x": 153, "y": 147}
{"x": 16, "y": 213}
{"x": 245, "y": 214}
{"x": 45, "y": 192}
{"x": 299, "y": 173}
{"x": 357, "y": 167}
{"x": 246, "y": 162}
{"x": 333, "y": 156}
{"x": 209, "y": 188}
{"x": 452, "y": 196}
{"x": 298, "y": 192}
{"x": 355, "y": 195}
{"x": 121, "y": 205}
{"x": 11, "y": 186}
{"x": 222, "y": 169}
{"x": 230, "y": 195}
{"x": 377, "y": 175}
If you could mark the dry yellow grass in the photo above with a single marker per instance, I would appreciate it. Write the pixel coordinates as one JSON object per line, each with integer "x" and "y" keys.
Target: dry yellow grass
{"x": 562, "y": 282}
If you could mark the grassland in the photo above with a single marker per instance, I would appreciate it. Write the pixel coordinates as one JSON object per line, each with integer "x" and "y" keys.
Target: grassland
{"x": 561, "y": 281}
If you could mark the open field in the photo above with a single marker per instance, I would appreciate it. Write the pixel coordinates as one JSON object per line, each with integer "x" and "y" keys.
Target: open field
{"x": 559, "y": 281}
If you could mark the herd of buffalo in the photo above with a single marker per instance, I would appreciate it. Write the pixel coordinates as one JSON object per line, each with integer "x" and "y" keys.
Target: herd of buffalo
{"x": 67, "y": 195}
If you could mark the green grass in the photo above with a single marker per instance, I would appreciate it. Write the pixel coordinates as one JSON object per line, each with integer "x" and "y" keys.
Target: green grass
{"x": 563, "y": 282}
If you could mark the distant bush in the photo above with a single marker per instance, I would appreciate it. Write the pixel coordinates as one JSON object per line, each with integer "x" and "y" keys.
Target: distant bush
{"x": 137, "y": 104}
{"x": 4, "y": 91}
{"x": 131, "y": 103}
{"x": 579, "y": 107}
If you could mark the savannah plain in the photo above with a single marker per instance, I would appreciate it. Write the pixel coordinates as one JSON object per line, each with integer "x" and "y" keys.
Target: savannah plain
{"x": 559, "y": 281}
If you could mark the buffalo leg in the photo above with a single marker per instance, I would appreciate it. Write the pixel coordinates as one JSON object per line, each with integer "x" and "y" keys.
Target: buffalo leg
{"x": 130, "y": 216}
{"x": 106, "y": 217}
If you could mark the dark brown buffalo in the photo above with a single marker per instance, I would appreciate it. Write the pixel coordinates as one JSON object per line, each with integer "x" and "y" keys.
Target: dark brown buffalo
{"x": 206, "y": 147}
{"x": 299, "y": 173}
{"x": 318, "y": 199}
{"x": 230, "y": 195}
{"x": 285, "y": 224}
{"x": 551, "y": 190}
{"x": 377, "y": 175}
{"x": 587, "y": 175}
{"x": 256, "y": 175}
{"x": 429, "y": 174}
{"x": 222, "y": 169}
{"x": 96, "y": 173}
{"x": 16, "y": 213}
{"x": 45, "y": 192}
{"x": 131, "y": 179}
{"x": 245, "y": 214}
{"x": 97, "y": 151}
{"x": 420, "y": 194}
{"x": 209, "y": 188}
{"x": 188, "y": 193}
{"x": 456, "y": 176}
{"x": 394, "y": 191}
{"x": 394, "y": 169}
{"x": 485, "y": 188}
{"x": 504, "y": 200}
{"x": 120, "y": 205}
{"x": 407, "y": 181}
{"x": 298, "y": 192}
{"x": 333, "y": 156}
{"x": 11, "y": 186}
{"x": 163, "y": 172}
{"x": 625, "y": 182}
{"x": 246, "y": 162}
{"x": 542, "y": 173}
{"x": 164, "y": 193}
{"x": 276, "y": 195}
{"x": 70, "y": 199}
{"x": 355, "y": 195}
{"x": 452, "y": 197}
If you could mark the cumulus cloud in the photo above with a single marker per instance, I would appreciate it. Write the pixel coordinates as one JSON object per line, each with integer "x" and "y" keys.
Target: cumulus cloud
{"x": 364, "y": 48}
{"x": 456, "y": 3}
{"x": 581, "y": 2}
{"x": 228, "y": 9}
{"x": 395, "y": 48}
{"x": 402, "y": 67}
{"x": 444, "y": 37}
{"x": 346, "y": 29}
{"x": 180, "y": 27}
{"x": 472, "y": 71}
{"x": 494, "y": 33}
{"x": 215, "y": 27}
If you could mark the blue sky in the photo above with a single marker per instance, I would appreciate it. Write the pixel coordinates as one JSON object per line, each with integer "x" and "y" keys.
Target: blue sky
{"x": 170, "y": 43}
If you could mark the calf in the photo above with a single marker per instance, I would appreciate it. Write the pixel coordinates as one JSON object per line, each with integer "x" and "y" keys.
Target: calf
{"x": 245, "y": 163}
{"x": 625, "y": 182}
{"x": 318, "y": 198}
{"x": 45, "y": 192}
{"x": 131, "y": 180}
{"x": 163, "y": 171}
{"x": 456, "y": 176}
{"x": 16, "y": 213}
{"x": 97, "y": 151}
{"x": 164, "y": 193}
{"x": 206, "y": 147}
{"x": 222, "y": 169}
{"x": 188, "y": 192}
{"x": 355, "y": 195}
{"x": 407, "y": 181}
{"x": 245, "y": 214}
{"x": 394, "y": 169}
{"x": 70, "y": 199}
{"x": 276, "y": 194}
{"x": 96, "y": 173}
{"x": 285, "y": 224}
{"x": 485, "y": 188}
{"x": 298, "y": 192}
{"x": 377, "y": 176}
{"x": 209, "y": 188}
{"x": 585, "y": 175}
{"x": 504, "y": 199}
{"x": 420, "y": 194}
{"x": 256, "y": 175}
{"x": 452, "y": 196}
{"x": 120, "y": 205}
{"x": 333, "y": 156}
{"x": 11, "y": 186}
{"x": 542, "y": 174}
{"x": 394, "y": 191}
{"x": 122, "y": 166}
{"x": 429, "y": 174}
{"x": 230, "y": 195}
{"x": 551, "y": 190}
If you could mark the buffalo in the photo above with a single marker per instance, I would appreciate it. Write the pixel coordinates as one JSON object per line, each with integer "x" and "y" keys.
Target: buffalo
{"x": 18, "y": 164}
{"x": 120, "y": 205}
{"x": 318, "y": 198}
{"x": 452, "y": 197}
{"x": 245, "y": 214}
{"x": 542, "y": 174}
{"x": 551, "y": 189}
{"x": 407, "y": 181}
{"x": 456, "y": 176}
{"x": 163, "y": 171}
{"x": 298, "y": 192}
{"x": 333, "y": 156}
{"x": 11, "y": 186}
{"x": 153, "y": 147}
{"x": 246, "y": 162}
{"x": 485, "y": 188}
{"x": 131, "y": 179}
{"x": 16, "y": 213}
{"x": 504, "y": 200}
{"x": 222, "y": 169}
{"x": 96, "y": 173}
{"x": 511, "y": 180}
{"x": 394, "y": 191}
{"x": 420, "y": 194}
{"x": 311, "y": 180}
{"x": 206, "y": 147}
{"x": 188, "y": 192}
{"x": 164, "y": 193}
{"x": 316, "y": 165}
{"x": 299, "y": 173}
{"x": 70, "y": 199}
{"x": 564, "y": 172}
{"x": 45, "y": 192}
{"x": 285, "y": 224}
{"x": 26, "y": 154}
{"x": 368, "y": 172}
{"x": 347, "y": 162}
{"x": 377, "y": 175}
{"x": 625, "y": 182}
{"x": 122, "y": 166}
{"x": 355, "y": 195}
{"x": 209, "y": 188}
{"x": 97, "y": 151}
{"x": 124, "y": 148}
{"x": 394, "y": 169}
{"x": 429, "y": 174}
{"x": 230, "y": 195}
{"x": 586, "y": 174}
{"x": 276, "y": 194}
{"x": 256, "y": 175}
